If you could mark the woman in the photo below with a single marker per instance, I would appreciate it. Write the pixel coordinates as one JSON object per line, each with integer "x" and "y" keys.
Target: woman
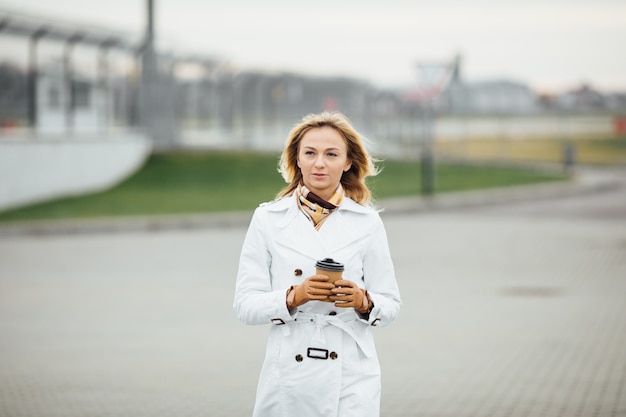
{"x": 320, "y": 358}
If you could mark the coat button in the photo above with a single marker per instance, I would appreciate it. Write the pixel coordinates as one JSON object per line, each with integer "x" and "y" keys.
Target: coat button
{"x": 298, "y": 358}
{"x": 333, "y": 355}
{"x": 297, "y": 272}
{"x": 332, "y": 313}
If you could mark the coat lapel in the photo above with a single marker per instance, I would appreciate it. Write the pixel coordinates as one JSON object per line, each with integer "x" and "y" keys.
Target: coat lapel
{"x": 296, "y": 232}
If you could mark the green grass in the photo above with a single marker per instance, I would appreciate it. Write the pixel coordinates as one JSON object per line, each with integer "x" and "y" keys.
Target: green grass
{"x": 402, "y": 178}
{"x": 200, "y": 182}
{"x": 595, "y": 150}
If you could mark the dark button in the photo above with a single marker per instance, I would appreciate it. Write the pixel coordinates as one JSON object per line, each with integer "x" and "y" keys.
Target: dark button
{"x": 333, "y": 355}
{"x": 298, "y": 358}
{"x": 332, "y": 313}
{"x": 297, "y": 272}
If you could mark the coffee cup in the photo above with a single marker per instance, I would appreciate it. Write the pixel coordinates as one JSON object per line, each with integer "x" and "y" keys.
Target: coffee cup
{"x": 330, "y": 268}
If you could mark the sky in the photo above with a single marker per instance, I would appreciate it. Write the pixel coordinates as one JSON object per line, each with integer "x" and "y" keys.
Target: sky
{"x": 551, "y": 45}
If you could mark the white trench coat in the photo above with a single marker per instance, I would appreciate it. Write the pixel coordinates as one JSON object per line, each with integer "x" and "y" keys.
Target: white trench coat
{"x": 320, "y": 359}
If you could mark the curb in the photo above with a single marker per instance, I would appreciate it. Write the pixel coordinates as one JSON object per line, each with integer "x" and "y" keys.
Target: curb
{"x": 583, "y": 183}
{"x": 127, "y": 224}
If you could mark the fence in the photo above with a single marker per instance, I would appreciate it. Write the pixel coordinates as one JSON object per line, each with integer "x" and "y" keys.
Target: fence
{"x": 58, "y": 91}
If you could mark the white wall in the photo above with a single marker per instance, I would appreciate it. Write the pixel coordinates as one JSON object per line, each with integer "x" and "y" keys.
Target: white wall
{"x": 38, "y": 169}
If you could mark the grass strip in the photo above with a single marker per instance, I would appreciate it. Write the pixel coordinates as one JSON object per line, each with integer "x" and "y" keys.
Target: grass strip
{"x": 203, "y": 182}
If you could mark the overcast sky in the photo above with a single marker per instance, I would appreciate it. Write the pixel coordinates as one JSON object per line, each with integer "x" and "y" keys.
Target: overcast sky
{"x": 550, "y": 44}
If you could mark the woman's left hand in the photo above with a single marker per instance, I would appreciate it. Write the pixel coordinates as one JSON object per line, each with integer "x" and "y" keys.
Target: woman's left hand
{"x": 348, "y": 294}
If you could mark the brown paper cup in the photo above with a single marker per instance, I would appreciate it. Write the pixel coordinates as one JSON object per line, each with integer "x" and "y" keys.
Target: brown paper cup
{"x": 330, "y": 268}
{"x": 332, "y": 275}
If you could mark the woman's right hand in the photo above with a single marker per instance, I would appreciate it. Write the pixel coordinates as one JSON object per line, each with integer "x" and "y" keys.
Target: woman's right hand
{"x": 315, "y": 287}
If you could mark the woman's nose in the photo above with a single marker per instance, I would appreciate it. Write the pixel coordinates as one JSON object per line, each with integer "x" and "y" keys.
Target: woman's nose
{"x": 319, "y": 161}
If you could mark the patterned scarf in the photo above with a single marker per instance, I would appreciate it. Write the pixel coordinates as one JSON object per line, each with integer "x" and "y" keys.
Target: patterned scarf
{"x": 316, "y": 208}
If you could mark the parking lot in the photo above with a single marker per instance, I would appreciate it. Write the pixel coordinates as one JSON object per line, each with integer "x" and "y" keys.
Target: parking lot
{"x": 510, "y": 309}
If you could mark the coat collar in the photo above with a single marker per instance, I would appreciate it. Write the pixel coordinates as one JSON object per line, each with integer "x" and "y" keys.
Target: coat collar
{"x": 290, "y": 206}
{"x": 302, "y": 237}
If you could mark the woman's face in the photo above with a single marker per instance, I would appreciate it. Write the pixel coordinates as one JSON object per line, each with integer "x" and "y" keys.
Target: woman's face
{"x": 322, "y": 159}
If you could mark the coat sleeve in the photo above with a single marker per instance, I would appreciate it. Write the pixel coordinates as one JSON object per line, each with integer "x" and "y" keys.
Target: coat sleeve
{"x": 256, "y": 302}
{"x": 380, "y": 278}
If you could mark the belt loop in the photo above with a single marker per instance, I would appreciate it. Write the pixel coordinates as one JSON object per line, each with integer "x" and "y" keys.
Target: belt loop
{"x": 281, "y": 323}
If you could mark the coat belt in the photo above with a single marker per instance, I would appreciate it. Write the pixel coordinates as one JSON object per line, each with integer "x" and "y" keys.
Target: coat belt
{"x": 341, "y": 321}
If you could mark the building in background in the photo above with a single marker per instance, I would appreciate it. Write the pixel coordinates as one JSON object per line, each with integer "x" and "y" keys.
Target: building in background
{"x": 221, "y": 105}
{"x": 491, "y": 97}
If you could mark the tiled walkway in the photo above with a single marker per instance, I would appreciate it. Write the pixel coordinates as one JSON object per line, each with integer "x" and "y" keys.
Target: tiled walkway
{"x": 510, "y": 311}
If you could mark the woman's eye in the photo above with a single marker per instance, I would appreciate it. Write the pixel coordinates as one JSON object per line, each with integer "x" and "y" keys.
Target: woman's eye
{"x": 332, "y": 154}
{"x": 308, "y": 152}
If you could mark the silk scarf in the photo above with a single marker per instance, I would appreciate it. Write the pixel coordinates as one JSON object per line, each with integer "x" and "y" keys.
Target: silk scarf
{"x": 314, "y": 207}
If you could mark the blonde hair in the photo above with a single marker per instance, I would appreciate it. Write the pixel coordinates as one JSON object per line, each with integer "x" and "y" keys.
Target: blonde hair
{"x": 353, "y": 180}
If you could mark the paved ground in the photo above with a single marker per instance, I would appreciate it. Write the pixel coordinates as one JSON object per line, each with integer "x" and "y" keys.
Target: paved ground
{"x": 510, "y": 310}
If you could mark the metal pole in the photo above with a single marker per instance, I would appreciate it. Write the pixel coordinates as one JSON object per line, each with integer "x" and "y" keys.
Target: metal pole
{"x": 157, "y": 98}
{"x": 150, "y": 18}
{"x": 32, "y": 77}
{"x": 104, "y": 83}
{"x": 148, "y": 101}
{"x": 69, "y": 85}
{"x": 426, "y": 156}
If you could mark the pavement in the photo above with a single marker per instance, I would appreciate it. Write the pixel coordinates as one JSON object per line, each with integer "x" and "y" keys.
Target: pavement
{"x": 513, "y": 306}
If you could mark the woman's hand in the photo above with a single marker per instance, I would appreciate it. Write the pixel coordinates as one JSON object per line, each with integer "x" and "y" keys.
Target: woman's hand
{"x": 314, "y": 287}
{"x": 348, "y": 294}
